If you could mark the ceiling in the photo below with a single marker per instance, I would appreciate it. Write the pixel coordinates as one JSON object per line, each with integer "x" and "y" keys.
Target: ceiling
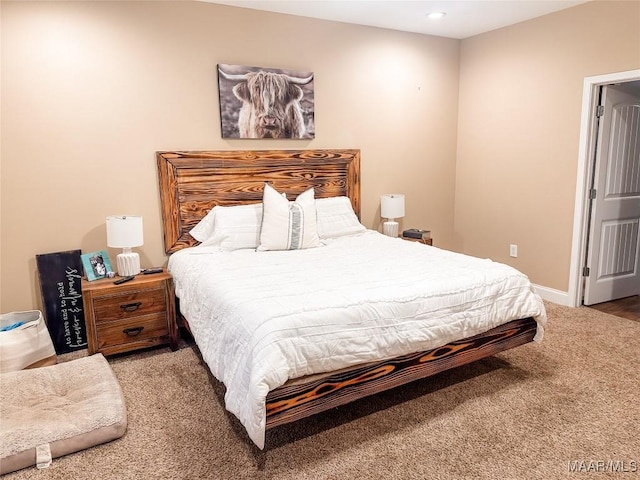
{"x": 463, "y": 18}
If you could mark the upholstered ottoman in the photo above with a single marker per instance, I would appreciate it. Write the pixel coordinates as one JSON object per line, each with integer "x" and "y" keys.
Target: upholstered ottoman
{"x": 52, "y": 411}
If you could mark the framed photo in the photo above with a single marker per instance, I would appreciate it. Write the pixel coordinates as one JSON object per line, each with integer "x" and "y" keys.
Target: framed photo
{"x": 257, "y": 102}
{"x": 96, "y": 264}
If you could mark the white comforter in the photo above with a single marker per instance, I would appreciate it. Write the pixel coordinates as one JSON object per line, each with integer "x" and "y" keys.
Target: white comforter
{"x": 261, "y": 318}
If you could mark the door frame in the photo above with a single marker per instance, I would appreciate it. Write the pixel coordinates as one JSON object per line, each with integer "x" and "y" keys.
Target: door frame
{"x": 585, "y": 169}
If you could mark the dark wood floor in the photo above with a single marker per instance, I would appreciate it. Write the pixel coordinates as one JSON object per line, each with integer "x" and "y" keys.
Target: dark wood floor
{"x": 625, "y": 307}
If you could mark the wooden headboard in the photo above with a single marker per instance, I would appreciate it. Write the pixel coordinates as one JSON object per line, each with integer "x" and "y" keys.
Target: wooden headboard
{"x": 192, "y": 183}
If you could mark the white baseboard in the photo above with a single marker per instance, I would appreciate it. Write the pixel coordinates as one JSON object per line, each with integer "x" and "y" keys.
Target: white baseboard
{"x": 553, "y": 295}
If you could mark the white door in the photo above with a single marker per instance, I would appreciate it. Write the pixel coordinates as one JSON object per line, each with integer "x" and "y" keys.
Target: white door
{"x": 613, "y": 255}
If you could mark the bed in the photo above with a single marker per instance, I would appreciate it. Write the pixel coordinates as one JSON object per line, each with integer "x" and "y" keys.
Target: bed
{"x": 292, "y": 333}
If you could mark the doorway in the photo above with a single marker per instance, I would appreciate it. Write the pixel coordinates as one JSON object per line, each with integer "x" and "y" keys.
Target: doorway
{"x": 587, "y": 148}
{"x": 612, "y": 264}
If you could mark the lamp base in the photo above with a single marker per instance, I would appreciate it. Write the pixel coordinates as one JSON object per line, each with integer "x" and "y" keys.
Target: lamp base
{"x": 128, "y": 264}
{"x": 390, "y": 228}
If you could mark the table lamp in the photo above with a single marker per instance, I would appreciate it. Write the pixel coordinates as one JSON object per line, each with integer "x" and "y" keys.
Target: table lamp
{"x": 391, "y": 207}
{"x": 125, "y": 231}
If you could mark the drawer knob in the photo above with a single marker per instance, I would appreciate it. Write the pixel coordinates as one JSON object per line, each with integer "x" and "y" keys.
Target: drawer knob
{"x": 130, "y": 307}
{"x": 132, "y": 332}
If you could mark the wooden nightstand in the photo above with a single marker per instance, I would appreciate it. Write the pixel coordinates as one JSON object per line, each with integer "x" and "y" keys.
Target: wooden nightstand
{"x": 426, "y": 241}
{"x": 136, "y": 314}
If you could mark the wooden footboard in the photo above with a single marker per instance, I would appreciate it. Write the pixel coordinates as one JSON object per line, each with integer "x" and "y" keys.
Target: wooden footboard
{"x": 292, "y": 402}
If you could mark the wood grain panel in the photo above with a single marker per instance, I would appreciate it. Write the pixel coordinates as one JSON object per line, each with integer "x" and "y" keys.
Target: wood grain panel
{"x": 298, "y": 400}
{"x": 192, "y": 183}
{"x": 126, "y": 305}
{"x": 147, "y": 328}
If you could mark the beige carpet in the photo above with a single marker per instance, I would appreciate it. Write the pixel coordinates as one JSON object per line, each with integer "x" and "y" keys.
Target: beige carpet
{"x": 540, "y": 411}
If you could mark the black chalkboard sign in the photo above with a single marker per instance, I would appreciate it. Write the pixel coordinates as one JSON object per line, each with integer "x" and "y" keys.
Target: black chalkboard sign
{"x": 60, "y": 276}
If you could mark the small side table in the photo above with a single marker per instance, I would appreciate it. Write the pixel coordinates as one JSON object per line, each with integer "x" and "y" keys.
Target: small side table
{"x": 425, "y": 241}
{"x": 133, "y": 315}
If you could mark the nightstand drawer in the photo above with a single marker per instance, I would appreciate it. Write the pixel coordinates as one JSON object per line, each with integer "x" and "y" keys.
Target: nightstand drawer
{"x": 119, "y": 306}
{"x": 137, "y": 329}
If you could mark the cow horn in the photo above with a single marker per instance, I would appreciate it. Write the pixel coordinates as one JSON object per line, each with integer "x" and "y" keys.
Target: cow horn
{"x": 300, "y": 81}
{"x": 233, "y": 77}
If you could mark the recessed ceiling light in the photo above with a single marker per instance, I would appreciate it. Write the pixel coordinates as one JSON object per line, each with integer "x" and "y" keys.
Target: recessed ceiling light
{"x": 436, "y": 15}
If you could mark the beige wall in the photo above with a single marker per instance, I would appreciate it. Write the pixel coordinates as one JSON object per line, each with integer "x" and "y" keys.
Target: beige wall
{"x": 90, "y": 90}
{"x": 518, "y": 132}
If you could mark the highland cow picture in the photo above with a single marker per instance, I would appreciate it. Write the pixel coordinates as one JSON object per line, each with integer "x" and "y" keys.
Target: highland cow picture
{"x": 258, "y": 102}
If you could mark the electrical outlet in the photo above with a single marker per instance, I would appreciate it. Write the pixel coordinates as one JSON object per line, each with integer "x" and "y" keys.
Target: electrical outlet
{"x": 513, "y": 250}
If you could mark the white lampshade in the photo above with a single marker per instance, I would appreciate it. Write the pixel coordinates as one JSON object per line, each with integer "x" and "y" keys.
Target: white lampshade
{"x": 125, "y": 231}
{"x": 391, "y": 207}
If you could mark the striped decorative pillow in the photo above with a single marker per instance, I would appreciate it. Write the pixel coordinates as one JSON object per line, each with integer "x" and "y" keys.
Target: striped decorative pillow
{"x": 288, "y": 225}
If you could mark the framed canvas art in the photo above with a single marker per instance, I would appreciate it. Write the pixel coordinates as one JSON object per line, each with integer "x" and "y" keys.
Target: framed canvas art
{"x": 257, "y": 102}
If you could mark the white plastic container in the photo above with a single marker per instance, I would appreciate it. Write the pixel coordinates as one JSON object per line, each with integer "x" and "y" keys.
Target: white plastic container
{"x": 27, "y": 346}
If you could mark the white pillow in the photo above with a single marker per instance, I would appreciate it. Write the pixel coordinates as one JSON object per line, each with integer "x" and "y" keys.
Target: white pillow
{"x": 288, "y": 225}
{"x": 336, "y": 217}
{"x": 231, "y": 228}
{"x": 204, "y": 229}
